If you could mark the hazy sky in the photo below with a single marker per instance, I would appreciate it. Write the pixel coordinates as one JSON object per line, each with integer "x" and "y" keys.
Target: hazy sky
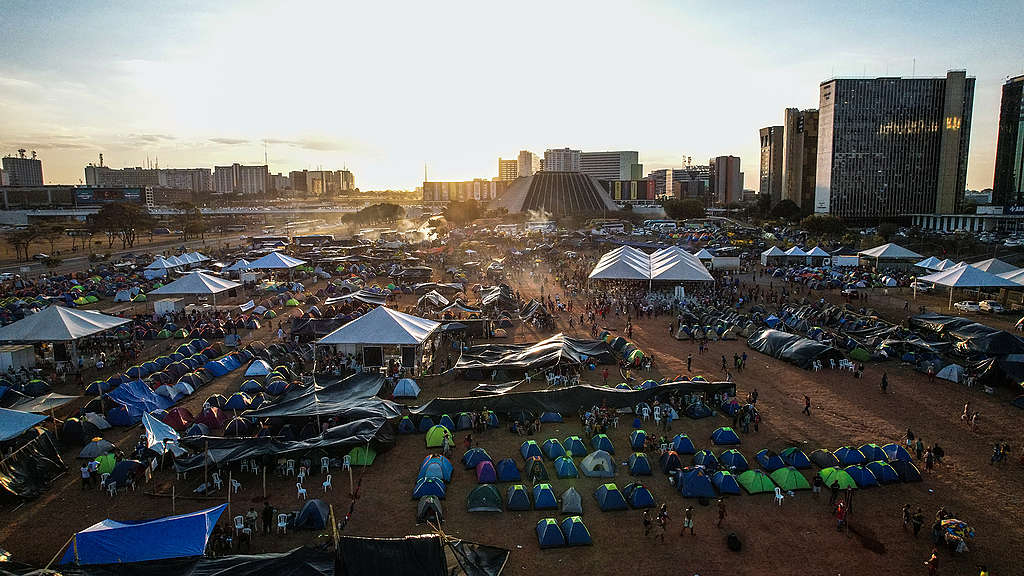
{"x": 386, "y": 87}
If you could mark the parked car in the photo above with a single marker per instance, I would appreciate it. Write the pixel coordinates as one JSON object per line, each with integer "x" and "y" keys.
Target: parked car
{"x": 40, "y": 257}
{"x": 7, "y": 276}
{"x": 991, "y": 306}
{"x": 922, "y": 287}
{"x": 967, "y": 306}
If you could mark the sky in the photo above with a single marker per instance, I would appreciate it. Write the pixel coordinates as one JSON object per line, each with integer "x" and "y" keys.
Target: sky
{"x": 388, "y": 88}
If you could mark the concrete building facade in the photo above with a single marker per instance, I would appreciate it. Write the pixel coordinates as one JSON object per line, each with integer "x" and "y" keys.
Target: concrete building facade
{"x": 771, "y": 163}
{"x": 890, "y": 147}
{"x": 726, "y": 181}
{"x": 508, "y": 169}
{"x": 561, "y": 160}
{"x": 800, "y": 157}
{"x": 22, "y": 170}
{"x": 618, "y": 165}
{"x": 1008, "y": 182}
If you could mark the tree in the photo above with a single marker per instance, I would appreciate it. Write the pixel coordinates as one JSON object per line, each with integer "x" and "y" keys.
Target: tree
{"x": 122, "y": 221}
{"x": 887, "y": 230}
{"x": 20, "y": 240}
{"x": 787, "y": 210}
{"x": 189, "y": 220}
{"x": 462, "y": 213}
{"x": 677, "y": 209}
{"x": 823, "y": 225}
{"x": 51, "y": 232}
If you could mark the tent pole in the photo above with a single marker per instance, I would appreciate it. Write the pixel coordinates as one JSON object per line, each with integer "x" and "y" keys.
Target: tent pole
{"x": 950, "y": 298}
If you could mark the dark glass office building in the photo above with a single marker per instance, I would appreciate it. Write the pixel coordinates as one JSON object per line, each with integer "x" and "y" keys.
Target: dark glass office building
{"x": 889, "y": 147}
{"x": 1008, "y": 183}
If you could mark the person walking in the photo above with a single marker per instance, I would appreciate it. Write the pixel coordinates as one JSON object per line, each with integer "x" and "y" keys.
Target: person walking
{"x": 933, "y": 563}
{"x": 917, "y": 521}
{"x": 721, "y": 512}
{"x": 807, "y": 405}
{"x": 689, "y": 362}
{"x": 687, "y": 521}
{"x": 646, "y": 518}
{"x": 907, "y": 515}
{"x": 885, "y": 382}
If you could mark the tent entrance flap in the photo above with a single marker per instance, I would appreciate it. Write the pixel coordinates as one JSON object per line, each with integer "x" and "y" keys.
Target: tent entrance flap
{"x": 373, "y": 356}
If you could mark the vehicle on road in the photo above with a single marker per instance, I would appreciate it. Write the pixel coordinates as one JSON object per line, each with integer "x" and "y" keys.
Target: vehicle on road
{"x": 40, "y": 257}
{"x": 922, "y": 287}
{"x": 6, "y": 276}
{"x": 991, "y": 306}
{"x": 967, "y": 306}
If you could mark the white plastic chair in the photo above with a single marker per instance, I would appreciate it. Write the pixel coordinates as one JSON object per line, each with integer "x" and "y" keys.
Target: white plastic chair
{"x": 235, "y": 485}
{"x": 778, "y": 496}
{"x": 289, "y": 467}
{"x": 245, "y": 465}
{"x": 327, "y": 483}
{"x": 112, "y": 489}
{"x": 346, "y": 463}
{"x": 240, "y": 526}
{"x": 282, "y": 523}
{"x": 528, "y": 378}
{"x": 254, "y": 466}
{"x": 832, "y": 362}
{"x": 301, "y": 491}
{"x": 302, "y": 475}
{"x": 103, "y": 480}
{"x": 325, "y": 465}
{"x": 217, "y": 481}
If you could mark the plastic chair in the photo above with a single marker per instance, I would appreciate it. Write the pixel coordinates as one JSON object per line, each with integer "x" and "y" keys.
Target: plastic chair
{"x": 302, "y": 475}
{"x": 235, "y": 484}
{"x": 778, "y": 496}
{"x": 327, "y": 483}
{"x": 103, "y": 480}
{"x": 217, "y": 481}
{"x": 832, "y": 362}
{"x": 301, "y": 491}
{"x": 245, "y": 465}
{"x": 289, "y": 467}
{"x": 282, "y": 523}
{"x": 346, "y": 463}
{"x": 112, "y": 489}
{"x": 325, "y": 465}
{"x": 240, "y": 526}
{"x": 254, "y": 466}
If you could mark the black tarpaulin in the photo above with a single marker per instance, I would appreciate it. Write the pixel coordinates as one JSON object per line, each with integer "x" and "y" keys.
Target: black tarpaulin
{"x": 937, "y": 323}
{"x": 351, "y": 398}
{"x": 792, "y": 348}
{"x": 771, "y": 342}
{"x": 558, "y": 349}
{"x": 972, "y": 340}
{"x": 565, "y": 400}
{"x": 498, "y": 297}
{"x": 375, "y": 431}
{"x": 28, "y": 472}
{"x": 417, "y": 556}
{"x": 531, "y": 309}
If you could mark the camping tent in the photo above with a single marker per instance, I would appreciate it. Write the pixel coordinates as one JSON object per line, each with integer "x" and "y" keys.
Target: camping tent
{"x": 769, "y": 460}
{"x": 484, "y": 498}
{"x": 883, "y": 472}
{"x": 518, "y": 498}
{"x": 435, "y": 436}
{"x": 112, "y": 542}
{"x": 695, "y": 483}
{"x": 848, "y": 455}
{"x": 795, "y": 457}
{"x": 549, "y": 534}
{"x": 544, "y": 497}
{"x": 598, "y": 464}
{"x": 639, "y": 465}
{"x": 734, "y": 461}
{"x": 682, "y": 444}
{"x": 315, "y": 515}
{"x": 572, "y": 502}
{"x": 610, "y": 498}
{"x": 566, "y": 468}
{"x": 429, "y": 485}
{"x": 576, "y": 533}
{"x": 838, "y": 476}
{"x": 638, "y": 496}
{"x": 950, "y": 372}
{"x": 862, "y": 476}
{"x": 406, "y": 388}
{"x": 485, "y": 472}
{"x": 275, "y": 261}
{"x": 508, "y": 471}
{"x": 725, "y": 483}
{"x": 429, "y": 510}
{"x": 756, "y": 482}
{"x": 790, "y": 478}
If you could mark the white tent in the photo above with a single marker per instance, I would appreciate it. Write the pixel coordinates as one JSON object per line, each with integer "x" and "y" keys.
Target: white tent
{"x": 773, "y": 252}
{"x": 1014, "y": 276}
{"x": 995, "y": 266}
{"x": 818, "y": 252}
{"x": 199, "y": 257}
{"x": 242, "y": 264}
{"x": 795, "y": 251}
{"x": 258, "y": 368}
{"x": 196, "y": 283}
{"x": 58, "y": 324}
{"x": 967, "y": 277}
{"x": 623, "y": 263}
{"x": 677, "y": 265}
{"x": 703, "y": 254}
{"x": 928, "y": 263}
{"x": 944, "y": 264}
{"x": 383, "y": 326}
{"x": 275, "y": 261}
{"x": 950, "y": 372}
{"x": 889, "y": 251}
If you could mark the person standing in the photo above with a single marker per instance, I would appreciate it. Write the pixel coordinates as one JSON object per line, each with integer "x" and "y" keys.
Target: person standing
{"x": 835, "y": 493}
{"x": 907, "y": 515}
{"x": 917, "y": 521}
{"x": 86, "y": 476}
{"x": 268, "y": 517}
{"x": 919, "y": 449}
{"x": 885, "y": 382}
{"x": 687, "y": 521}
{"x": 807, "y": 405}
{"x": 721, "y": 512}
{"x": 646, "y": 518}
{"x": 933, "y": 563}
{"x": 689, "y": 362}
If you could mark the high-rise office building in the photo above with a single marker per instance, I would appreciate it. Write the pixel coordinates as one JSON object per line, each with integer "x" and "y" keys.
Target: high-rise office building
{"x": 771, "y": 163}
{"x": 529, "y": 163}
{"x": 508, "y": 169}
{"x": 619, "y": 165}
{"x": 562, "y": 160}
{"x": 107, "y": 177}
{"x": 480, "y": 190}
{"x": 726, "y": 181}
{"x": 1008, "y": 183}
{"x": 889, "y": 147}
{"x": 194, "y": 179}
{"x": 330, "y": 182}
{"x": 800, "y": 157}
{"x": 241, "y": 179}
{"x": 690, "y": 181}
{"x": 21, "y": 170}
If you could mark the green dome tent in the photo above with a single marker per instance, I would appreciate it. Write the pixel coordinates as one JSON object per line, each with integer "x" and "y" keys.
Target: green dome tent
{"x": 755, "y": 482}
{"x": 292, "y": 303}
{"x": 831, "y": 475}
{"x": 789, "y": 478}
{"x": 163, "y": 334}
{"x": 361, "y": 456}
{"x": 181, "y": 333}
{"x": 140, "y": 297}
{"x": 860, "y": 355}
{"x": 107, "y": 463}
{"x": 435, "y": 436}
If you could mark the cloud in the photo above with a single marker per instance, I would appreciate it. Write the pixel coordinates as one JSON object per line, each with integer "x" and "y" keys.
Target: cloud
{"x": 48, "y": 142}
{"x": 151, "y": 138}
{"x": 229, "y": 141}
{"x": 323, "y": 145}
{"x": 11, "y": 82}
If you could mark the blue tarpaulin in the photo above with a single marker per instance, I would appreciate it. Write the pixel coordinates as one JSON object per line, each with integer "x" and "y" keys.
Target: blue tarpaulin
{"x": 112, "y": 542}
{"x": 139, "y": 398}
{"x": 14, "y": 422}
{"x": 157, "y": 433}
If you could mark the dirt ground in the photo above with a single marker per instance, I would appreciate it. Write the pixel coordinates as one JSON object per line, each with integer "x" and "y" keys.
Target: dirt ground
{"x": 798, "y": 537}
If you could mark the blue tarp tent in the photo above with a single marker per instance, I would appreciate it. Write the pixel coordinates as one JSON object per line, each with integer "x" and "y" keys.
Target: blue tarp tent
{"x": 725, "y": 483}
{"x": 112, "y": 542}
{"x": 682, "y": 444}
{"x": 639, "y": 465}
{"x": 638, "y": 495}
{"x": 13, "y": 423}
{"x": 508, "y": 471}
{"x": 139, "y": 398}
{"x": 315, "y": 515}
{"x": 694, "y": 483}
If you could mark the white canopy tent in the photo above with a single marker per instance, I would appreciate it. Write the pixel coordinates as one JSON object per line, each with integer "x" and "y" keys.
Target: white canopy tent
{"x": 275, "y": 261}
{"x": 928, "y": 263}
{"x": 379, "y": 328}
{"x": 966, "y": 277}
{"x": 677, "y": 265}
{"x": 57, "y": 324}
{"x": 1014, "y": 276}
{"x": 995, "y": 266}
{"x": 242, "y": 264}
{"x": 891, "y": 255}
{"x": 671, "y": 264}
{"x": 817, "y": 251}
{"x": 773, "y": 252}
{"x": 196, "y": 284}
{"x": 703, "y": 254}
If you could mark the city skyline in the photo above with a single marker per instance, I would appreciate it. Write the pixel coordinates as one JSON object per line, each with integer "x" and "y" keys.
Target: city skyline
{"x": 212, "y": 84}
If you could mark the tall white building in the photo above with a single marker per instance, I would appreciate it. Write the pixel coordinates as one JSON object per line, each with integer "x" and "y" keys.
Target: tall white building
{"x": 241, "y": 179}
{"x": 619, "y": 165}
{"x": 529, "y": 163}
{"x": 562, "y": 160}
{"x": 195, "y": 179}
{"x": 508, "y": 169}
